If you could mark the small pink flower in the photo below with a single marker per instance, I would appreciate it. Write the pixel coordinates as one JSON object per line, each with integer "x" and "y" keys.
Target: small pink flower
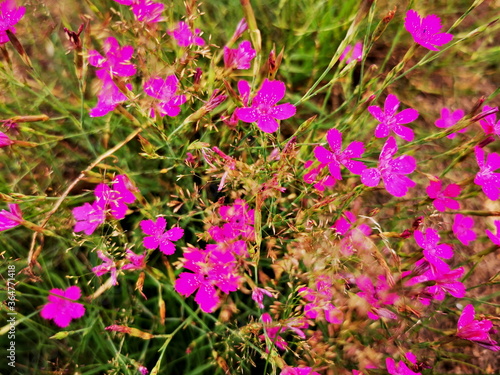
{"x": 108, "y": 98}
{"x": 137, "y": 262}
{"x": 392, "y": 171}
{"x": 312, "y": 176}
{"x": 10, "y": 14}
{"x": 442, "y": 198}
{"x": 239, "y": 58}
{"x": 433, "y": 252}
{"x": 352, "y": 53}
{"x": 108, "y": 265}
{"x": 165, "y": 91}
{"x": 116, "y": 61}
{"x": 239, "y": 220}
{"x": 5, "y": 140}
{"x": 392, "y": 121}
{"x": 264, "y": 110}
{"x": 476, "y": 330}
{"x": 448, "y": 119}
{"x": 158, "y": 236}
{"x": 319, "y": 301}
{"x": 494, "y": 238}
{"x": 425, "y": 31}
{"x": 10, "y": 219}
{"x": 400, "y": 369}
{"x": 353, "y": 238}
{"x": 143, "y": 370}
{"x": 63, "y": 310}
{"x": 185, "y": 37}
{"x": 273, "y": 330}
{"x": 145, "y": 10}
{"x": 462, "y": 229}
{"x": 489, "y": 123}
{"x": 258, "y": 296}
{"x": 88, "y": 217}
{"x": 486, "y": 177}
{"x": 377, "y": 295}
{"x": 298, "y": 371}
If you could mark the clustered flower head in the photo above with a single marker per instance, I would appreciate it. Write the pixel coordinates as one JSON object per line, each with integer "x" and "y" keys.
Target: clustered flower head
{"x": 426, "y": 31}
{"x": 10, "y": 14}
{"x": 61, "y": 307}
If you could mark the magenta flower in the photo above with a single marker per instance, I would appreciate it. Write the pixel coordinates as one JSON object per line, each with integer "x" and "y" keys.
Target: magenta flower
{"x": 486, "y": 177}
{"x": 392, "y": 171}
{"x": 489, "y": 123}
{"x": 476, "y": 330}
{"x": 108, "y": 98}
{"x": 116, "y": 200}
{"x": 462, "y": 229}
{"x": 264, "y": 110}
{"x": 426, "y": 31}
{"x": 258, "y": 296}
{"x": 239, "y": 220}
{"x": 211, "y": 269}
{"x": 335, "y": 158}
{"x": 88, "y": 217}
{"x": 63, "y": 310}
{"x": 239, "y": 58}
{"x": 391, "y": 121}
{"x": 10, "y": 14}
{"x": 272, "y": 330}
{"x": 353, "y": 238}
{"x": 352, "y": 53}
{"x": 5, "y": 140}
{"x": 494, "y": 238}
{"x": 442, "y": 197}
{"x": 319, "y": 299}
{"x": 116, "y": 61}
{"x": 313, "y": 176}
{"x": 108, "y": 265}
{"x": 377, "y": 295}
{"x": 164, "y": 90}
{"x": 433, "y": 252}
{"x": 145, "y": 10}
{"x": 400, "y": 369}
{"x": 137, "y": 262}
{"x": 448, "y": 119}
{"x": 185, "y": 37}
{"x": 10, "y": 219}
{"x": 298, "y": 371}
{"x": 158, "y": 236}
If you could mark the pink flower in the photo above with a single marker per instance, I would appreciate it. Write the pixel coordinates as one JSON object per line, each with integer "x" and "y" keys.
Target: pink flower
{"x": 433, "y": 252}
{"x": 399, "y": 369}
{"x": 377, "y": 295}
{"x": 272, "y": 330}
{"x": 442, "y": 198}
{"x": 143, "y": 370}
{"x": 319, "y": 299}
{"x": 211, "y": 269}
{"x": 462, "y": 229}
{"x": 440, "y": 283}
{"x": 116, "y": 200}
{"x": 116, "y": 61}
{"x": 88, "y": 217}
{"x": 165, "y": 91}
{"x": 311, "y": 177}
{"x": 391, "y": 121}
{"x": 298, "y": 371}
{"x": 486, "y": 177}
{"x": 426, "y": 31}
{"x": 108, "y": 265}
{"x": 494, "y": 238}
{"x": 392, "y": 171}
{"x": 352, "y": 53}
{"x": 264, "y": 110}
{"x": 158, "y": 236}
{"x": 108, "y": 98}
{"x": 5, "y": 140}
{"x": 448, "y": 119}
{"x": 239, "y": 58}
{"x": 353, "y": 238}
{"x": 137, "y": 262}
{"x": 145, "y": 10}
{"x": 258, "y": 296}
{"x": 185, "y": 37}
{"x": 63, "y": 310}
{"x": 10, "y": 14}
{"x": 335, "y": 158}
{"x": 10, "y": 219}
{"x": 476, "y": 330}
{"x": 239, "y": 220}
{"x": 489, "y": 123}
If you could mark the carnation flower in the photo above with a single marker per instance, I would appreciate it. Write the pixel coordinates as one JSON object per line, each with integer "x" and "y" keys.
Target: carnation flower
{"x": 158, "y": 236}
{"x": 10, "y": 219}
{"x": 425, "y": 31}
{"x": 61, "y": 307}
{"x": 10, "y": 14}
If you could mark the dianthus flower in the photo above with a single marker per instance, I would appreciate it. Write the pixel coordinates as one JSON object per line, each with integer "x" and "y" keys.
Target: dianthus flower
{"x": 352, "y": 53}
{"x": 239, "y": 58}
{"x": 433, "y": 252}
{"x": 116, "y": 61}
{"x": 88, "y": 217}
{"x": 476, "y": 330}
{"x": 264, "y": 110}
{"x": 335, "y": 158}
{"x": 442, "y": 197}
{"x": 462, "y": 229}
{"x": 392, "y": 121}
{"x": 311, "y": 177}
{"x": 5, "y": 140}
{"x": 10, "y": 219}
{"x": 272, "y": 330}
{"x": 353, "y": 238}
{"x": 137, "y": 262}
{"x": 489, "y": 123}
{"x": 63, "y": 310}
{"x": 298, "y": 371}
{"x": 400, "y": 369}
{"x": 494, "y": 238}
{"x": 448, "y": 119}
{"x": 164, "y": 90}
{"x": 158, "y": 236}
{"x": 185, "y": 37}
{"x": 392, "y": 171}
{"x": 239, "y": 220}
{"x": 486, "y": 177}
{"x": 211, "y": 269}
{"x": 108, "y": 98}
{"x": 108, "y": 265}
{"x": 145, "y": 10}
{"x": 377, "y": 295}
{"x": 10, "y": 14}
{"x": 426, "y": 31}
{"x": 319, "y": 301}
{"x": 258, "y": 296}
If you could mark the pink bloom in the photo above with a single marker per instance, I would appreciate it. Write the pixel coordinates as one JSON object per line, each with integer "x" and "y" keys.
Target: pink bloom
{"x": 489, "y": 123}
{"x": 116, "y": 200}
{"x": 264, "y": 110}
{"x": 108, "y": 265}
{"x": 311, "y": 177}
{"x": 448, "y": 119}
{"x": 486, "y": 177}
{"x": 352, "y": 53}
{"x": 88, "y": 217}
{"x": 239, "y": 220}
{"x": 10, "y": 14}
{"x": 137, "y": 262}
{"x": 10, "y": 219}
{"x": 239, "y": 58}
{"x": 258, "y": 296}
{"x": 399, "y": 369}
{"x": 108, "y": 98}
{"x": 335, "y": 158}
{"x": 426, "y": 31}
{"x": 352, "y": 238}
{"x": 185, "y": 37}
{"x": 462, "y": 229}
{"x": 143, "y": 370}
{"x": 211, "y": 269}
{"x": 377, "y": 295}
{"x": 240, "y": 29}
{"x": 145, "y": 10}
{"x": 392, "y": 171}
{"x": 165, "y": 91}
{"x": 319, "y": 299}
{"x": 272, "y": 330}
{"x": 433, "y": 252}
{"x": 476, "y": 330}
{"x": 5, "y": 140}
{"x": 494, "y": 238}
{"x": 63, "y": 310}
{"x": 158, "y": 236}
{"x": 116, "y": 61}
{"x": 298, "y": 371}
{"x": 391, "y": 121}
{"x": 442, "y": 198}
